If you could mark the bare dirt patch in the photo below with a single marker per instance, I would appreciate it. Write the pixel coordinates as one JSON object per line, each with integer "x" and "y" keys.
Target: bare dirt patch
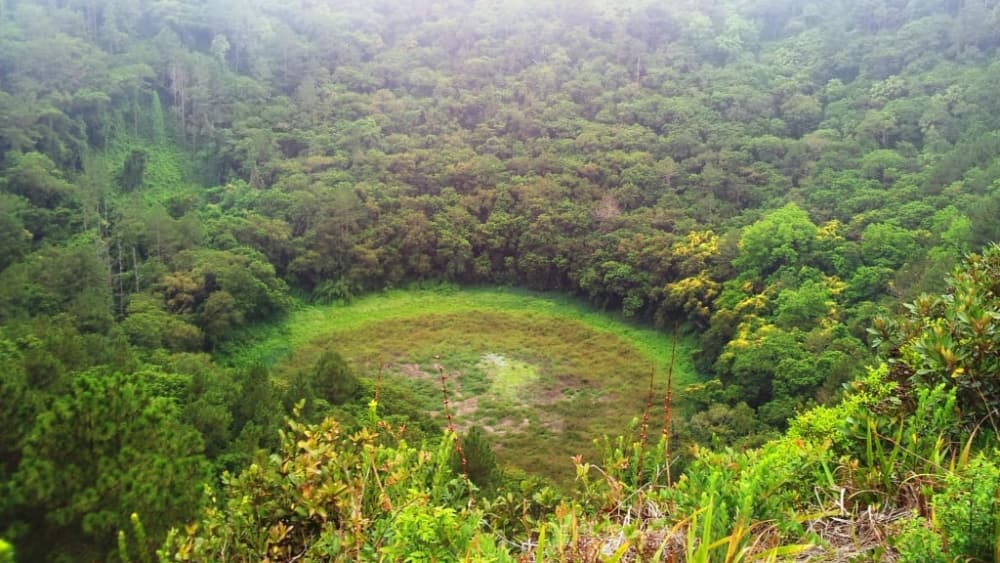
{"x": 413, "y": 370}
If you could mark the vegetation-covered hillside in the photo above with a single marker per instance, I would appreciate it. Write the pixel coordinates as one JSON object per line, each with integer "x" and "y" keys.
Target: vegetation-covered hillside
{"x": 767, "y": 182}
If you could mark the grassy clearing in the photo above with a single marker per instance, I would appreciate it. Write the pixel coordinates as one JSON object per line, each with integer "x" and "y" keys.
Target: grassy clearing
{"x": 272, "y": 343}
{"x": 544, "y": 374}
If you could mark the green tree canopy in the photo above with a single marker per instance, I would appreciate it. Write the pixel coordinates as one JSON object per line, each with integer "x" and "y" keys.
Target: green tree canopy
{"x": 784, "y": 237}
{"x": 105, "y": 450}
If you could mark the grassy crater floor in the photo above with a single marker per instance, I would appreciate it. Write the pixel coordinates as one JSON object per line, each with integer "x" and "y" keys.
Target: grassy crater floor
{"x": 543, "y": 374}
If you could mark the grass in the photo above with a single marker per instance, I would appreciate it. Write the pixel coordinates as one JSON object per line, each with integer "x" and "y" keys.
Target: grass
{"x": 510, "y": 379}
{"x": 169, "y": 175}
{"x": 544, "y": 374}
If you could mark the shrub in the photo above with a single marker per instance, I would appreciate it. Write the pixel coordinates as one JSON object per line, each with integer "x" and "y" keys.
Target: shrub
{"x": 333, "y": 380}
{"x": 6, "y": 552}
{"x": 917, "y": 543}
{"x": 968, "y": 511}
{"x": 333, "y": 496}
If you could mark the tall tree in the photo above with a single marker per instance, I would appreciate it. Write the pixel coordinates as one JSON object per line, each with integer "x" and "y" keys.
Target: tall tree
{"x": 105, "y": 450}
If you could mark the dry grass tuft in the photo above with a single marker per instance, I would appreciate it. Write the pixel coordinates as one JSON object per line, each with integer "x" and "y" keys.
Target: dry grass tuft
{"x": 849, "y": 538}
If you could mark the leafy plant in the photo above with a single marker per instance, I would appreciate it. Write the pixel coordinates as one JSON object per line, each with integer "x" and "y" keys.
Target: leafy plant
{"x": 967, "y": 510}
{"x": 334, "y": 496}
{"x": 917, "y": 543}
{"x": 6, "y": 552}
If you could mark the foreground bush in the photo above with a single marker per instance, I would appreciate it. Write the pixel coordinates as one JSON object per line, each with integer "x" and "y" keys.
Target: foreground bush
{"x": 332, "y": 496}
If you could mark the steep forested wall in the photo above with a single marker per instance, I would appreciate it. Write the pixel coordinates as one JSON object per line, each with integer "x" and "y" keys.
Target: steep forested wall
{"x": 773, "y": 173}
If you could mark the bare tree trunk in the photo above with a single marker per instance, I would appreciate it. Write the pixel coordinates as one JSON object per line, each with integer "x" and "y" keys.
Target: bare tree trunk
{"x": 179, "y": 84}
{"x": 121, "y": 283}
{"x": 106, "y": 258}
{"x": 135, "y": 267}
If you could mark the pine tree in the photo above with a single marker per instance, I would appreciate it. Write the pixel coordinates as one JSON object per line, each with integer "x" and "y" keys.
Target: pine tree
{"x": 481, "y": 463}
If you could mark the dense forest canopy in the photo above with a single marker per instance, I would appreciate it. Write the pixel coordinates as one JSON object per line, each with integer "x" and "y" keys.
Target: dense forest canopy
{"x": 775, "y": 177}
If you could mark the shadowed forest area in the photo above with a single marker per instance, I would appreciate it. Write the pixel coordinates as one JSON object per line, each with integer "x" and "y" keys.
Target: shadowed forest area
{"x": 313, "y": 280}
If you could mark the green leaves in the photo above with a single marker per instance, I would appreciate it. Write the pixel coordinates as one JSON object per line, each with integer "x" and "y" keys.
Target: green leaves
{"x": 886, "y": 245}
{"x": 333, "y": 496}
{"x": 219, "y": 290}
{"x": 784, "y": 237}
{"x": 955, "y": 338}
{"x": 333, "y": 379}
{"x": 968, "y": 510}
{"x": 103, "y": 451}
{"x": 35, "y": 177}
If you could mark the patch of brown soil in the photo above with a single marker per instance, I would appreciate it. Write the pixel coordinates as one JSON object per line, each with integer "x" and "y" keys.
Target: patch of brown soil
{"x": 413, "y": 370}
{"x": 556, "y": 424}
{"x": 549, "y": 395}
{"x": 508, "y": 425}
{"x": 464, "y": 408}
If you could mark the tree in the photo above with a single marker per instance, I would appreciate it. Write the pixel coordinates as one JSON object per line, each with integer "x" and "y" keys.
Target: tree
{"x": 784, "y": 237}
{"x": 803, "y": 307}
{"x": 802, "y": 113}
{"x": 105, "y": 450}
{"x": 723, "y": 423}
{"x": 693, "y": 296}
{"x": 133, "y": 170}
{"x": 68, "y": 279}
{"x": 15, "y": 240}
{"x": 868, "y": 282}
{"x": 149, "y": 326}
{"x": 219, "y": 315}
{"x": 480, "y": 464}
{"x": 750, "y": 363}
{"x": 218, "y": 290}
{"x": 884, "y": 165}
{"x": 220, "y": 48}
{"x": 878, "y": 126}
{"x": 37, "y": 178}
{"x": 887, "y": 245}
{"x": 333, "y": 379}
{"x": 952, "y": 339}
{"x": 21, "y": 405}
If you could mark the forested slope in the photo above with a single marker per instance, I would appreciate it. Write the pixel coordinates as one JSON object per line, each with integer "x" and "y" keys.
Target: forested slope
{"x": 771, "y": 175}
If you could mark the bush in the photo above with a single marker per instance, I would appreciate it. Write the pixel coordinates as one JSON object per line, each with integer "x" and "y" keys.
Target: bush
{"x": 968, "y": 511}
{"x": 333, "y": 380}
{"x": 6, "y": 552}
{"x": 330, "y": 495}
{"x": 480, "y": 462}
{"x": 917, "y": 543}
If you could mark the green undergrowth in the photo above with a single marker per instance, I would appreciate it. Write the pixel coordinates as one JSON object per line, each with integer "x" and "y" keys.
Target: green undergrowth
{"x": 543, "y": 375}
{"x": 169, "y": 177}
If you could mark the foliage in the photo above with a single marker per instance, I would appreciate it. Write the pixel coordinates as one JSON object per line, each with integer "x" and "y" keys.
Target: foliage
{"x": 134, "y": 170}
{"x": 477, "y": 461}
{"x": 333, "y": 379}
{"x": 953, "y": 338}
{"x": 968, "y": 510}
{"x": 770, "y": 174}
{"x": 104, "y": 450}
{"x": 333, "y": 496}
{"x": 784, "y": 237}
{"x": 220, "y": 290}
{"x": 916, "y": 542}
